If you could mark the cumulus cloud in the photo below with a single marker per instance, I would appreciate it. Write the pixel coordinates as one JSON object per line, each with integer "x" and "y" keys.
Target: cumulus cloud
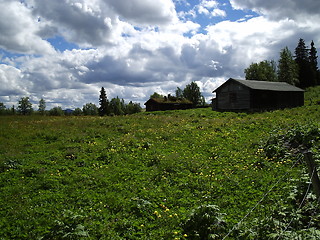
{"x": 292, "y": 9}
{"x": 19, "y": 30}
{"x": 147, "y": 12}
{"x": 77, "y": 22}
{"x": 10, "y": 78}
{"x": 133, "y": 48}
{"x": 93, "y": 23}
{"x": 218, "y": 13}
{"x": 66, "y": 69}
{"x": 210, "y": 8}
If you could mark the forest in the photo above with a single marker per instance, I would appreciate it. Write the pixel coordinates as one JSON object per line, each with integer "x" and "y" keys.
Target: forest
{"x": 300, "y": 70}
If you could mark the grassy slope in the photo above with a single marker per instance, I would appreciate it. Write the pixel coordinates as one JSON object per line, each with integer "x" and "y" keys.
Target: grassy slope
{"x": 138, "y": 176}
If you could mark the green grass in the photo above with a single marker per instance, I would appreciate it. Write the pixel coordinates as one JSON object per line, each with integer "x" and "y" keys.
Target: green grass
{"x": 140, "y": 176}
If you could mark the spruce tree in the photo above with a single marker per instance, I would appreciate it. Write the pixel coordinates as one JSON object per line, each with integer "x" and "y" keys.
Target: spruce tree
{"x": 313, "y": 59}
{"x": 287, "y": 68}
{"x": 104, "y": 103}
{"x": 302, "y": 59}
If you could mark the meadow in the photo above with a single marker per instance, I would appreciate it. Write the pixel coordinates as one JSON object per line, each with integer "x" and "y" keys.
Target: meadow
{"x": 188, "y": 174}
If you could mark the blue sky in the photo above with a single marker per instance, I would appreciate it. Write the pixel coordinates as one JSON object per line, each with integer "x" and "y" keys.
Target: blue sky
{"x": 65, "y": 51}
{"x": 60, "y": 44}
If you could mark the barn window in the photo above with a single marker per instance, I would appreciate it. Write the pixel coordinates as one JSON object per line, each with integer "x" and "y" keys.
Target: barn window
{"x": 232, "y": 97}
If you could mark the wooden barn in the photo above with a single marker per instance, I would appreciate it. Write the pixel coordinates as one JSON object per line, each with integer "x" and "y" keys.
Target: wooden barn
{"x": 167, "y": 103}
{"x": 250, "y": 95}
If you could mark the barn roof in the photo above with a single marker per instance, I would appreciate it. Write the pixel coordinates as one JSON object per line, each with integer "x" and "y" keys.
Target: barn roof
{"x": 172, "y": 100}
{"x": 264, "y": 85}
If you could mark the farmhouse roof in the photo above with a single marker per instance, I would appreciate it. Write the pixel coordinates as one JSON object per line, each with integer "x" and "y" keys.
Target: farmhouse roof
{"x": 264, "y": 85}
{"x": 169, "y": 100}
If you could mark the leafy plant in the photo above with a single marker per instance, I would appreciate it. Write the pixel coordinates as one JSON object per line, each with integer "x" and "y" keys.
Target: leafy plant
{"x": 292, "y": 142}
{"x": 69, "y": 227}
{"x": 205, "y": 222}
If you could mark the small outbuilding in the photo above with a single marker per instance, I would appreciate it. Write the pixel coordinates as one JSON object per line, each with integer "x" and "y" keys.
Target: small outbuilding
{"x": 167, "y": 103}
{"x": 251, "y": 95}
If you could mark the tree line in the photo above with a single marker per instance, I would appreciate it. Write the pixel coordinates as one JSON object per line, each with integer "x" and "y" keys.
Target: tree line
{"x": 300, "y": 70}
{"x": 191, "y": 92}
{"x": 115, "y": 106}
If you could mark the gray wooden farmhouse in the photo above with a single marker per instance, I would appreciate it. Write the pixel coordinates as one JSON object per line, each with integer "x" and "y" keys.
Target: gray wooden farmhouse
{"x": 250, "y": 95}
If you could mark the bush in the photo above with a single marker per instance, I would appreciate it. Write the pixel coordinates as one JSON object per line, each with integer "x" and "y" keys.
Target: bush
{"x": 56, "y": 111}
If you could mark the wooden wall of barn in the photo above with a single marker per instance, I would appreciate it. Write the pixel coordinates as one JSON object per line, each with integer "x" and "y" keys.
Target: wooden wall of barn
{"x": 276, "y": 99}
{"x": 233, "y": 96}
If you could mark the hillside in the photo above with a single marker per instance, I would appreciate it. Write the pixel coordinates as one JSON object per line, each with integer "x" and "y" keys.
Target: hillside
{"x": 162, "y": 175}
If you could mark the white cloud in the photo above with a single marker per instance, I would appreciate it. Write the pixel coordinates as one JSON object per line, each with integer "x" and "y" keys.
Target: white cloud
{"x": 146, "y": 12}
{"x": 78, "y": 22}
{"x": 11, "y": 81}
{"x": 218, "y": 13}
{"x": 19, "y": 30}
{"x": 209, "y": 4}
{"x": 252, "y": 41}
{"x": 203, "y": 10}
{"x": 94, "y": 23}
{"x": 134, "y": 48}
{"x": 274, "y": 9}
{"x": 210, "y": 8}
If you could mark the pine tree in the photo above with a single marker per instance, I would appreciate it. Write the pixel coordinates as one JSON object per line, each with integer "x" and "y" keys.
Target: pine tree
{"x": 287, "y": 68}
{"x": 104, "y": 103}
{"x": 302, "y": 59}
{"x": 301, "y": 51}
{"x": 313, "y": 59}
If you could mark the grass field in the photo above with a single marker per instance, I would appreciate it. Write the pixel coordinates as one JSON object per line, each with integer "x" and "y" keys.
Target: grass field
{"x": 192, "y": 174}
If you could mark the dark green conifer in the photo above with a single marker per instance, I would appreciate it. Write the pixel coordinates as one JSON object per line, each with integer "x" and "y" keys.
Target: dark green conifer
{"x": 305, "y": 69}
{"x": 313, "y": 59}
{"x": 287, "y": 68}
{"x": 104, "y": 103}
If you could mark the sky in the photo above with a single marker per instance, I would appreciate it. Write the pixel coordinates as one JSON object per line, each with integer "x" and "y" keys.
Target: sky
{"x": 64, "y": 51}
